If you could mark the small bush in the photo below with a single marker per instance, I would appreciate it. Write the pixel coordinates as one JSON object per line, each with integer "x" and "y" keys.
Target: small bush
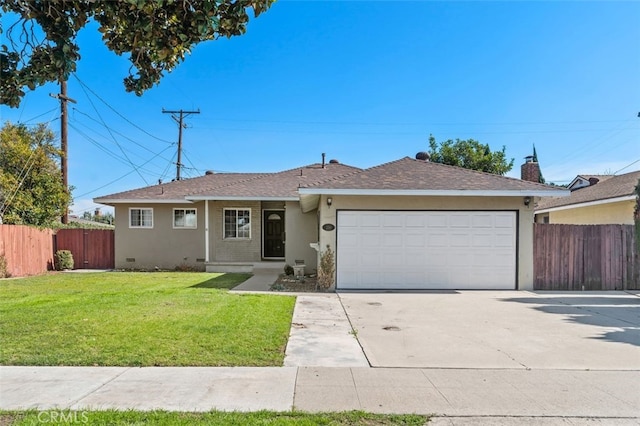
{"x": 288, "y": 270}
{"x": 4, "y": 267}
{"x": 185, "y": 267}
{"x": 64, "y": 260}
{"x": 326, "y": 271}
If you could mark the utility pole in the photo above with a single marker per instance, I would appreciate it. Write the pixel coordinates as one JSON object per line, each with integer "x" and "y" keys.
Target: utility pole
{"x": 179, "y": 119}
{"x": 64, "y": 147}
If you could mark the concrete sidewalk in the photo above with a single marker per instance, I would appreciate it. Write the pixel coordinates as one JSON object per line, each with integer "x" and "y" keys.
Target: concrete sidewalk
{"x": 613, "y": 395}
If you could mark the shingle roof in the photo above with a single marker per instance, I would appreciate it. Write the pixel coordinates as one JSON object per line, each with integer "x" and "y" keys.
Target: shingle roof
{"x": 283, "y": 184}
{"x": 241, "y": 185}
{"x": 611, "y": 187}
{"x": 410, "y": 174}
{"x": 179, "y": 189}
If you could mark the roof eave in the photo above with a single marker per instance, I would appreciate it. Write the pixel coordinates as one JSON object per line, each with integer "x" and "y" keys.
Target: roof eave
{"x": 237, "y": 198}
{"x": 441, "y": 193}
{"x": 111, "y": 201}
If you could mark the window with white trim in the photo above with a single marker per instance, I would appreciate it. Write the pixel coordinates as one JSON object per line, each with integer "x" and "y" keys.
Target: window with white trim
{"x": 185, "y": 218}
{"x": 140, "y": 217}
{"x": 237, "y": 223}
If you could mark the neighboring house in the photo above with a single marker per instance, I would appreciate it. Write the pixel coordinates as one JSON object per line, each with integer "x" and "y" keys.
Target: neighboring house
{"x": 407, "y": 224}
{"x": 82, "y": 222}
{"x": 594, "y": 200}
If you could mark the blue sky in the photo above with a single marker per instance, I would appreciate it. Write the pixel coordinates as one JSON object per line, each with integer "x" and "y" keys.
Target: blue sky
{"x": 365, "y": 82}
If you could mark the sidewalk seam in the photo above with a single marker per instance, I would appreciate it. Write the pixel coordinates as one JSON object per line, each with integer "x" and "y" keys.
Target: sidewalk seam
{"x": 295, "y": 390}
{"x": 353, "y": 330}
{"x": 72, "y": 403}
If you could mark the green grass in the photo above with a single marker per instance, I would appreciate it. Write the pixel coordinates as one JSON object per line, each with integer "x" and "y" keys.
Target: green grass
{"x": 140, "y": 319}
{"x": 351, "y": 418}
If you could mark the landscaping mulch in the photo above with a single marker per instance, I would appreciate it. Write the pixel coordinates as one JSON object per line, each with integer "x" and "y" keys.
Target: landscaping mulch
{"x": 290, "y": 283}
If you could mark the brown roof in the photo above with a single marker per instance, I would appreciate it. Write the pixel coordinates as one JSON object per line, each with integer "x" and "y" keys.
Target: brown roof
{"x": 283, "y": 184}
{"x": 610, "y": 187}
{"x": 234, "y": 185}
{"x": 410, "y": 174}
{"x": 179, "y": 189}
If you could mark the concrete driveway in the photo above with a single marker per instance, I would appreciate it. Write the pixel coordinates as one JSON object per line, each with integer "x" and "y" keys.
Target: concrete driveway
{"x": 498, "y": 329}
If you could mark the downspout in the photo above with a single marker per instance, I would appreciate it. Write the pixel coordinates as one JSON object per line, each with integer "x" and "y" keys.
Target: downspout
{"x": 206, "y": 231}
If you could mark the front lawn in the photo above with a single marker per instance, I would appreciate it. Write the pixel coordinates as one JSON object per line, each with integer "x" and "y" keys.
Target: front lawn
{"x": 351, "y": 418}
{"x": 140, "y": 319}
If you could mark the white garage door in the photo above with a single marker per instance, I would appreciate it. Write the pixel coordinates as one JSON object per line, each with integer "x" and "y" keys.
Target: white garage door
{"x": 426, "y": 250}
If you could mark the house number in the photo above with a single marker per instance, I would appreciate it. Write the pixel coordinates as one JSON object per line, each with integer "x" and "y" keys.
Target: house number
{"x": 328, "y": 227}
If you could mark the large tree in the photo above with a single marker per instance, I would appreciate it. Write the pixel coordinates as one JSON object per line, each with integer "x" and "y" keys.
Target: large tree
{"x": 469, "y": 154}
{"x": 31, "y": 189}
{"x": 155, "y": 35}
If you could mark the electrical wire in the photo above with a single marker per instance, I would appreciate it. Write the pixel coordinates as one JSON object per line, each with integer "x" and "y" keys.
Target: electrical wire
{"x": 113, "y": 137}
{"x": 121, "y": 177}
{"x": 116, "y": 132}
{"x": 117, "y": 112}
{"x": 627, "y": 166}
{"x": 106, "y": 150}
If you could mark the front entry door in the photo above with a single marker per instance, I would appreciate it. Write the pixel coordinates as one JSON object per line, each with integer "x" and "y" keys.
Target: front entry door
{"x": 273, "y": 228}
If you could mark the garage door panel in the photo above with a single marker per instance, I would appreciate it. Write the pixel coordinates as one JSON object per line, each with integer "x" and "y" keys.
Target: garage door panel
{"x": 368, "y": 221}
{"x": 437, "y": 220}
{"x": 430, "y": 250}
{"x": 415, "y": 221}
{"x": 369, "y": 240}
{"x": 415, "y": 240}
{"x": 392, "y": 240}
{"x": 504, "y": 221}
{"x": 437, "y": 240}
{"x": 483, "y": 221}
{"x": 391, "y": 260}
{"x": 392, "y": 220}
{"x": 459, "y": 221}
{"x": 482, "y": 240}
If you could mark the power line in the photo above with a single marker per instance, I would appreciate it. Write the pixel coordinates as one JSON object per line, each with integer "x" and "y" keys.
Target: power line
{"x": 123, "y": 176}
{"x": 106, "y": 150}
{"x": 627, "y": 166}
{"x": 118, "y": 133}
{"x": 118, "y": 112}
{"x": 40, "y": 115}
{"x": 113, "y": 137}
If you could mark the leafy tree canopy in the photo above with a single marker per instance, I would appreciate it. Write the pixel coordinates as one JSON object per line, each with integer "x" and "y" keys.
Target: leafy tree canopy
{"x": 469, "y": 154}
{"x": 31, "y": 189}
{"x": 155, "y": 34}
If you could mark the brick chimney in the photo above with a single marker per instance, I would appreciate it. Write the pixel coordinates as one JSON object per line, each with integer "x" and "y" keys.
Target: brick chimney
{"x": 530, "y": 170}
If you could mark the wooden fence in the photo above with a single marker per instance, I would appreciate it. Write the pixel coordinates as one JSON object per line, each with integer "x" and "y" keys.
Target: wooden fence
{"x": 91, "y": 248}
{"x": 585, "y": 257}
{"x": 27, "y": 250}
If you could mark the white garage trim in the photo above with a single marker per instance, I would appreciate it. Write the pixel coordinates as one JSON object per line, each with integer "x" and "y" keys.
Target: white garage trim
{"x": 409, "y": 250}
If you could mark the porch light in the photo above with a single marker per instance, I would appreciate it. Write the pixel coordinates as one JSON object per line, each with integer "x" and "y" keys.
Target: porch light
{"x": 329, "y": 201}
{"x": 527, "y": 201}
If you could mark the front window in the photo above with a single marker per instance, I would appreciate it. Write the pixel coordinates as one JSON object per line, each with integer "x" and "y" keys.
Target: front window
{"x": 237, "y": 223}
{"x": 140, "y": 218}
{"x": 185, "y": 218}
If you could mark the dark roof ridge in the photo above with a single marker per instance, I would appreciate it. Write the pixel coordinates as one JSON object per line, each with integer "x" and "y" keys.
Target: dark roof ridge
{"x": 314, "y": 165}
{"x": 429, "y": 162}
{"x": 486, "y": 173}
{"x": 331, "y": 179}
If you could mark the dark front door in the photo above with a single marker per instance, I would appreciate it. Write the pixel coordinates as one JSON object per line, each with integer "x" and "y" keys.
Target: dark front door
{"x": 273, "y": 233}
